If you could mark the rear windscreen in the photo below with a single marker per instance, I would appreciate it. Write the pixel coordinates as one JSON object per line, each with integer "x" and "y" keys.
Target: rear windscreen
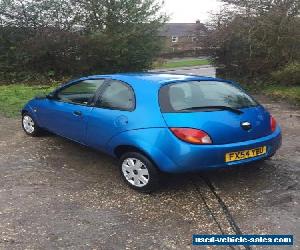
{"x": 187, "y": 96}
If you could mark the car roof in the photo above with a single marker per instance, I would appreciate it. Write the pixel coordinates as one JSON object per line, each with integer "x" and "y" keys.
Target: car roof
{"x": 154, "y": 78}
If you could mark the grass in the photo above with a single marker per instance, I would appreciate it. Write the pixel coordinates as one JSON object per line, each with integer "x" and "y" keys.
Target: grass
{"x": 13, "y": 97}
{"x": 181, "y": 63}
{"x": 290, "y": 94}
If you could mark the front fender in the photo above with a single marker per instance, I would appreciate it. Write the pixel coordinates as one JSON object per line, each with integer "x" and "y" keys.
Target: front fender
{"x": 148, "y": 141}
{"x": 28, "y": 107}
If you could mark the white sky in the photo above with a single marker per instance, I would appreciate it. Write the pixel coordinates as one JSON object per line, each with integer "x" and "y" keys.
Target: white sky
{"x": 188, "y": 11}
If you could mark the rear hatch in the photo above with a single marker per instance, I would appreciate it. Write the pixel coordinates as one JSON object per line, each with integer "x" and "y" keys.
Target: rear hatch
{"x": 222, "y": 110}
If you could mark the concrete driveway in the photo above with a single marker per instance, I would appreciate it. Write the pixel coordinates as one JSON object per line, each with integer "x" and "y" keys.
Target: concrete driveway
{"x": 58, "y": 194}
{"x": 205, "y": 70}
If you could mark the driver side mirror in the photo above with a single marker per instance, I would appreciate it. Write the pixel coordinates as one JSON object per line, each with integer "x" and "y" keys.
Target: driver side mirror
{"x": 50, "y": 96}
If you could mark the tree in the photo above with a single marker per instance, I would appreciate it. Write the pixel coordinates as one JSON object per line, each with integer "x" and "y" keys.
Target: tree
{"x": 252, "y": 38}
{"x": 129, "y": 30}
{"x": 70, "y": 37}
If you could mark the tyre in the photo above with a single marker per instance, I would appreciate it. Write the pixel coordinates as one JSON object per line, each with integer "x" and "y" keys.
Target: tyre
{"x": 139, "y": 172}
{"x": 29, "y": 125}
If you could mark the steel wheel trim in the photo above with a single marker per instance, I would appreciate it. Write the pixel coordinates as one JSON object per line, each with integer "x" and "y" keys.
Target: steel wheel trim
{"x": 135, "y": 172}
{"x": 28, "y": 124}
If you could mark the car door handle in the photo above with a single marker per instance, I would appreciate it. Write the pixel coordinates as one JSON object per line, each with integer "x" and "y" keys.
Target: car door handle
{"x": 77, "y": 113}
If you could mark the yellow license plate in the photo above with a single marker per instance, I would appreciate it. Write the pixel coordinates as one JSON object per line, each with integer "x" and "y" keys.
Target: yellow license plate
{"x": 245, "y": 154}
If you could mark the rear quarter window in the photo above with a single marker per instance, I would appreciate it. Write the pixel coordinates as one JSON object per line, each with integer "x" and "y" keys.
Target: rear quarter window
{"x": 117, "y": 95}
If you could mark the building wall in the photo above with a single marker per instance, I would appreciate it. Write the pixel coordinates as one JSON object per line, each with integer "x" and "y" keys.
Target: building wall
{"x": 184, "y": 43}
{"x": 183, "y": 37}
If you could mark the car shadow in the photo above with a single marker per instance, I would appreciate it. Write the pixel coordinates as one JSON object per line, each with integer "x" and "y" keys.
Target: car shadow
{"x": 225, "y": 175}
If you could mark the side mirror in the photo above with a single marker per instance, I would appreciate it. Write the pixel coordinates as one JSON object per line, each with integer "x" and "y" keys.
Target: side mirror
{"x": 40, "y": 97}
{"x": 50, "y": 96}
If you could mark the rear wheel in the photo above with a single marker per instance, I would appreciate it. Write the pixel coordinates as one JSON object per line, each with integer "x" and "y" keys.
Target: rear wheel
{"x": 29, "y": 125}
{"x": 139, "y": 172}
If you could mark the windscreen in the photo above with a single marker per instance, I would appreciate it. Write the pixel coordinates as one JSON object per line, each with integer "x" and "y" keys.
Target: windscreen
{"x": 190, "y": 95}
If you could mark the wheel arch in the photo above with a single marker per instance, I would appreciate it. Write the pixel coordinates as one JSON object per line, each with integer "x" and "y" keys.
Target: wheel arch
{"x": 122, "y": 149}
{"x": 146, "y": 141}
{"x": 28, "y": 110}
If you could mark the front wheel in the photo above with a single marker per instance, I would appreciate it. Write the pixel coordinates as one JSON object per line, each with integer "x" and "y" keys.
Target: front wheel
{"x": 29, "y": 125}
{"x": 139, "y": 172}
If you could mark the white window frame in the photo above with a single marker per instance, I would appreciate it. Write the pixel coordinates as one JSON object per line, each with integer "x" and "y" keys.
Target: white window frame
{"x": 174, "y": 39}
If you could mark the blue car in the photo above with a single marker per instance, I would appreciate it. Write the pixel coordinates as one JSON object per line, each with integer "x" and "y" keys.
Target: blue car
{"x": 157, "y": 123}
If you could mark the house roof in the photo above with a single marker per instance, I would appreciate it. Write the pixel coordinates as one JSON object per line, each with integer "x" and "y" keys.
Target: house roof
{"x": 181, "y": 29}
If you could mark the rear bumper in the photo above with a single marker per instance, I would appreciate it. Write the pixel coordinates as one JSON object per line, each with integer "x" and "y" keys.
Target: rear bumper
{"x": 192, "y": 158}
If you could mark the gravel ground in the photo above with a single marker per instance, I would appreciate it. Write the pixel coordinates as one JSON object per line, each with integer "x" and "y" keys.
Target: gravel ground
{"x": 57, "y": 194}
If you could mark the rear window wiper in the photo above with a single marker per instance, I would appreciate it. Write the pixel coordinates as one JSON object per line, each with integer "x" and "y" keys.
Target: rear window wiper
{"x": 234, "y": 110}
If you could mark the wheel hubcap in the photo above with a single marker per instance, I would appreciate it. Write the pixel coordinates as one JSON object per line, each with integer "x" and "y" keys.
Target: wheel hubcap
{"x": 28, "y": 124}
{"x": 135, "y": 172}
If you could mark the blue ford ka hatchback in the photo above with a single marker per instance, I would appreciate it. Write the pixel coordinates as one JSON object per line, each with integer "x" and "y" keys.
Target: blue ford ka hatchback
{"x": 157, "y": 123}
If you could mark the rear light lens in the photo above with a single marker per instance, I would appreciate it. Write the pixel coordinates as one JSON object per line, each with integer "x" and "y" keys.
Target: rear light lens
{"x": 190, "y": 135}
{"x": 273, "y": 123}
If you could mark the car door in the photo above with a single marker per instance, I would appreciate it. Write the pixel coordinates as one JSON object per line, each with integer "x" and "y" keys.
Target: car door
{"x": 66, "y": 113}
{"x": 112, "y": 112}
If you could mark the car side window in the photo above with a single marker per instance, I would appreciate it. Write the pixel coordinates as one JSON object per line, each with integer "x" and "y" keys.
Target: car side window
{"x": 117, "y": 95}
{"x": 81, "y": 92}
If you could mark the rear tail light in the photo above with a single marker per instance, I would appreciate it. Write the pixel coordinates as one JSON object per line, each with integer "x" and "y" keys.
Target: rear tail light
{"x": 273, "y": 123}
{"x": 190, "y": 135}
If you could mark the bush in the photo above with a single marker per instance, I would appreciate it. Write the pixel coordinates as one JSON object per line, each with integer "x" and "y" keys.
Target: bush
{"x": 252, "y": 39}
{"x": 288, "y": 75}
{"x": 54, "y": 39}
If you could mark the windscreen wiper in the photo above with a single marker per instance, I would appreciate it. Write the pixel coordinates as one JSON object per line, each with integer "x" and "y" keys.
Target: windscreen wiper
{"x": 234, "y": 110}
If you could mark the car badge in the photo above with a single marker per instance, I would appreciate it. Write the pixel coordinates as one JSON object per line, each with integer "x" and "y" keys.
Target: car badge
{"x": 246, "y": 125}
